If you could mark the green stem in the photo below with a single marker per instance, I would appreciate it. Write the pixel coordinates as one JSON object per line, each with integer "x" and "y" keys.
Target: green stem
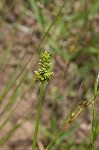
{"x": 93, "y": 128}
{"x": 53, "y": 141}
{"x": 92, "y": 135}
{"x": 38, "y": 116}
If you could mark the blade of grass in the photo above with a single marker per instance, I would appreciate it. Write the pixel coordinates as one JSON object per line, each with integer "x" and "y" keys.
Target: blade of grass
{"x": 9, "y": 133}
{"x": 7, "y": 118}
{"x": 38, "y": 13}
{"x": 14, "y": 95}
{"x": 93, "y": 128}
{"x": 4, "y": 55}
{"x": 16, "y": 105}
{"x": 63, "y": 137}
{"x": 6, "y": 13}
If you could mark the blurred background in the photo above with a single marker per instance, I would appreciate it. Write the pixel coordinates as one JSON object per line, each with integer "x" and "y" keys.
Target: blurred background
{"x": 69, "y": 31}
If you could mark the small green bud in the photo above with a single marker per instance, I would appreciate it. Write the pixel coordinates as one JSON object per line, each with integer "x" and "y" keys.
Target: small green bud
{"x": 44, "y": 74}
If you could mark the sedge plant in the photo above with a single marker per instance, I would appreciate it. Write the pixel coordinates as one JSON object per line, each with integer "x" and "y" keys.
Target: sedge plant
{"x": 43, "y": 75}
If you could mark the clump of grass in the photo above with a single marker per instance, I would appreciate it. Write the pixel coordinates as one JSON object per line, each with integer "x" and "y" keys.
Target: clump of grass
{"x": 43, "y": 75}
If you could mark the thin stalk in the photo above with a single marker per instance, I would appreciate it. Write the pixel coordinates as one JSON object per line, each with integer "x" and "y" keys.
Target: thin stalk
{"x": 6, "y": 13}
{"x": 38, "y": 116}
{"x": 53, "y": 141}
{"x": 93, "y": 128}
{"x": 8, "y": 134}
{"x": 92, "y": 135}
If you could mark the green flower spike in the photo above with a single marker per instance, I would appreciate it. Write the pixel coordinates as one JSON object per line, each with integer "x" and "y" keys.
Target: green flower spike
{"x": 44, "y": 74}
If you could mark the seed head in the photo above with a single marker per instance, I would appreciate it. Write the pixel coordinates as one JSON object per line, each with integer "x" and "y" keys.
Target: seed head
{"x": 44, "y": 74}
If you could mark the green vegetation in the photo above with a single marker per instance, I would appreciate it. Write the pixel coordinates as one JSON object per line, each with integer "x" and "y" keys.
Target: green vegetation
{"x": 68, "y": 31}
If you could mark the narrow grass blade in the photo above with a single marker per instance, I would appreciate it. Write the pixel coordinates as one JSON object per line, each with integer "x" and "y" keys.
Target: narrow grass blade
{"x": 93, "y": 128}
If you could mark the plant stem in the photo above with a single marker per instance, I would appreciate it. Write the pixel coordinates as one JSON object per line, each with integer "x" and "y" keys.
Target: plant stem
{"x": 92, "y": 135}
{"x": 60, "y": 133}
{"x": 93, "y": 128}
{"x": 38, "y": 116}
